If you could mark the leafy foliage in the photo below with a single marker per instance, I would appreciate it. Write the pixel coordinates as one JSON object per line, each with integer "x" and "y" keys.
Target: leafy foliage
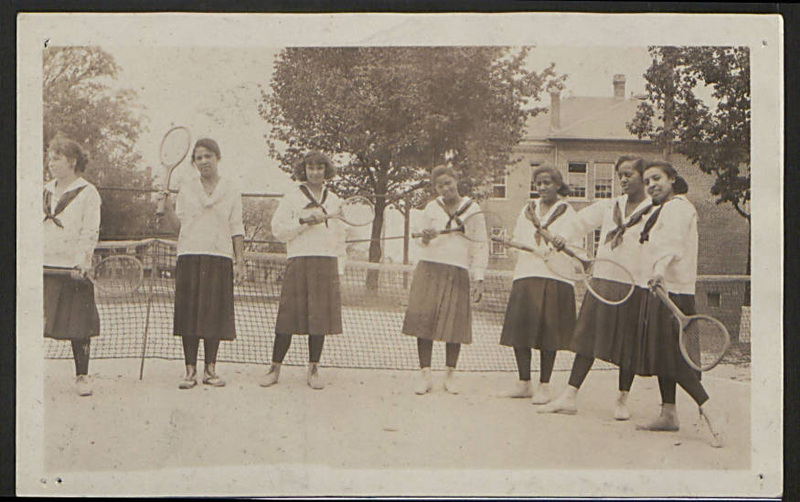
{"x": 390, "y": 114}
{"x": 80, "y": 103}
{"x": 715, "y": 138}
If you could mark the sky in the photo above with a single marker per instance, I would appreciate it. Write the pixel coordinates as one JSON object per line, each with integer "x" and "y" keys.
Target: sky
{"x": 214, "y": 92}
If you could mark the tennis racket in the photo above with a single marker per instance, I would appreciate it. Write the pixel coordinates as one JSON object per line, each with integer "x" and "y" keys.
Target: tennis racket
{"x": 703, "y": 340}
{"x": 472, "y": 227}
{"x": 174, "y": 147}
{"x": 356, "y": 211}
{"x": 606, "y": 280}
{"x": 116, "y": 275}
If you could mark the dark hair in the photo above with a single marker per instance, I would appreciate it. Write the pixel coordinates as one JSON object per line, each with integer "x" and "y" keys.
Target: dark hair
{"x": 638, "y": 163}
{"x": 442, "y": 170}
{"x": 70, "y": 149}
{"x": 557, "y": 177}
{"x": 679, "y": 185}
{"x": 313, "y": 157}
{"x": 208, "y": 144}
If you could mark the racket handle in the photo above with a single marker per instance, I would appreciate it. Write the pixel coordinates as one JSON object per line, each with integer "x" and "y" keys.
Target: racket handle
{"x": 306, "y": 221}
{"x": 52, "y": 269}
{"x": 514, "y": 244}
{"x": 161, "y": 206}
{"x": 664, "y": 297}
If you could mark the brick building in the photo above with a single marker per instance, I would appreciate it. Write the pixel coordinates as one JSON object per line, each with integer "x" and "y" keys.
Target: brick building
{"x": 583, "y": 137}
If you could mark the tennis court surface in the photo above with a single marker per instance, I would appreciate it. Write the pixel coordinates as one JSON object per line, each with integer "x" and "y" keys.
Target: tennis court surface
{"x": 368, "y": 416}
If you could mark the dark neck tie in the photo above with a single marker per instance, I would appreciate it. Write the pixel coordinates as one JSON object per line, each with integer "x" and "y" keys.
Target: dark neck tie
{"x": 615, "y": 236}
{"x": 313, "y": 202}
{"x": 530, "y": 213}
{"x": 63, "y": 202}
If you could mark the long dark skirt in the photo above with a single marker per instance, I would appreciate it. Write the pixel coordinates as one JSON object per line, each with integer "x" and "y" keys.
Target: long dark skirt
{"x": 609, "y": 332}
{"x": 204, "y": 297}
{"x": 311, "y": 299}
{"x": 439, "y": 304}
{"x": 540, "y": 314}
{"x": 657, "y": 348}
{"x": 70, "y": 312}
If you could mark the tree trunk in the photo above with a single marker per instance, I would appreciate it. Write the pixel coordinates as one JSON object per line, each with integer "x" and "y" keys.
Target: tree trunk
{"x": 375, "y": 251}
{"x": 406, "y": 236}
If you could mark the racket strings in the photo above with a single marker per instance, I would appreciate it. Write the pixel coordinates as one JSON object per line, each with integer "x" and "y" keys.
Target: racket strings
{"x": 704, "y": 341}
{"x": 118, "y": 275}
{"x": 174, "y": 147}
{"x": 358, "y": 211}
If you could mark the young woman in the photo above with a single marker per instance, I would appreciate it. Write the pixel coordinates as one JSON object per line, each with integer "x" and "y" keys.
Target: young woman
{"x": 208, "y": 217}
{"x": 71, "y": 229}
{"x": 669, "y": 259}
{"x": 541, "y": 308}
{"x": 439, "y": 300}
{"x": 310, "y": 301}
{"x": 604, "y": 331}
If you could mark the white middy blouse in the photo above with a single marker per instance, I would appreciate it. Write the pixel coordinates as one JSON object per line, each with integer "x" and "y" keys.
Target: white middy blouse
{"x": 208, "y": 223}
{"x": 451, "y": 249}
{"x": 671, "y": 250}
{"x": 72, "y": 244}
{"x": 629, "y": 252}
{"x": 310, "y": 240}
{"x": 567, "y": 225}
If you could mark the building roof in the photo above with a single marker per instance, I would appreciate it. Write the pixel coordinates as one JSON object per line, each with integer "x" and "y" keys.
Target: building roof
{"x": 586, "y": 118}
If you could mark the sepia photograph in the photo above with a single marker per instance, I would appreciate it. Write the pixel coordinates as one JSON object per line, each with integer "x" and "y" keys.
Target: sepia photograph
{"x": 414, "y": 255}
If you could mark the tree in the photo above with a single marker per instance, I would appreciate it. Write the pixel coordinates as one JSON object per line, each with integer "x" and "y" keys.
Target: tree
{"x": 257, "y": 219}
{"x": 715, "y": 138}
{"x": 80, "y": 103}
{"x": 391, "y": 113}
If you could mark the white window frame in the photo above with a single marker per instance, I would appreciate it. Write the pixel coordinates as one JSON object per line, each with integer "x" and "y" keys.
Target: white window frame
{"x": 532, "y": 193}
{"x": 504, "y": 184}
{"x": 596, "y": 241}
{"x": 585, "y": 180}
{"x": 497, "y": 248}
{"x": 598, "y": 165}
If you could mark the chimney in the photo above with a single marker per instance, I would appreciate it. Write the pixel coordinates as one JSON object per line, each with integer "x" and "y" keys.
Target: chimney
{"x": 619, "y": 86}
{"x": 555, "y": 110}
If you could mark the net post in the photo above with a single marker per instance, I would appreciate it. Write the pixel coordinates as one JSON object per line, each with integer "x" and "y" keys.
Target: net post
{"x": 150, "y": 284}
{"x": 406, "y": 236}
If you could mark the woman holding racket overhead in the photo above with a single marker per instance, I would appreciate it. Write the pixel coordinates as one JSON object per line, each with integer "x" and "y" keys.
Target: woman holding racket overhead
{"x": 669, "y": 260}
{"x": 71, "y": 229}
{"x": 541, "y": 308}
{"x": 310, "y": 301}
{"x": 439, "y": 300}
{"x": 208, "y": 217}
{"x": 604, "y": 331}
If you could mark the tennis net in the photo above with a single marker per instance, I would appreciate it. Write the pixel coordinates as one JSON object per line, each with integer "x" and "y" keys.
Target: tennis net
{"x": 374, "y": 297}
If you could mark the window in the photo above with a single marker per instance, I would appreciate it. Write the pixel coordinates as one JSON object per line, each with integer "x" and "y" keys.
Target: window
{"x": 603, "y": 180}
{"x": 576, "y": 179}
{"x": 498, "y": 248}
{"x": 714, "y": 299}
{"x": 595, "y": 242}
{"x": 499, "y": 186}
{"x": 533, "y": 193}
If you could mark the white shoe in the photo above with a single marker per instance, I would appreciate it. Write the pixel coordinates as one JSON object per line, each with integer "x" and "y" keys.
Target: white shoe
{"x": 313, "y": 377}
{"x": 82, "y": 385}
{"x": 621, "y": 411}
{"x": 566, "y": 403}
{"x": 542, "y": 394}
{"x": 450, "y": 384}
{"x": 713, "y": 427}
{"x": 667, "y": 420}
{"x": 522, "y": 389}
{"x": 271, "y": 377}
{"x": 425, "y": 383}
